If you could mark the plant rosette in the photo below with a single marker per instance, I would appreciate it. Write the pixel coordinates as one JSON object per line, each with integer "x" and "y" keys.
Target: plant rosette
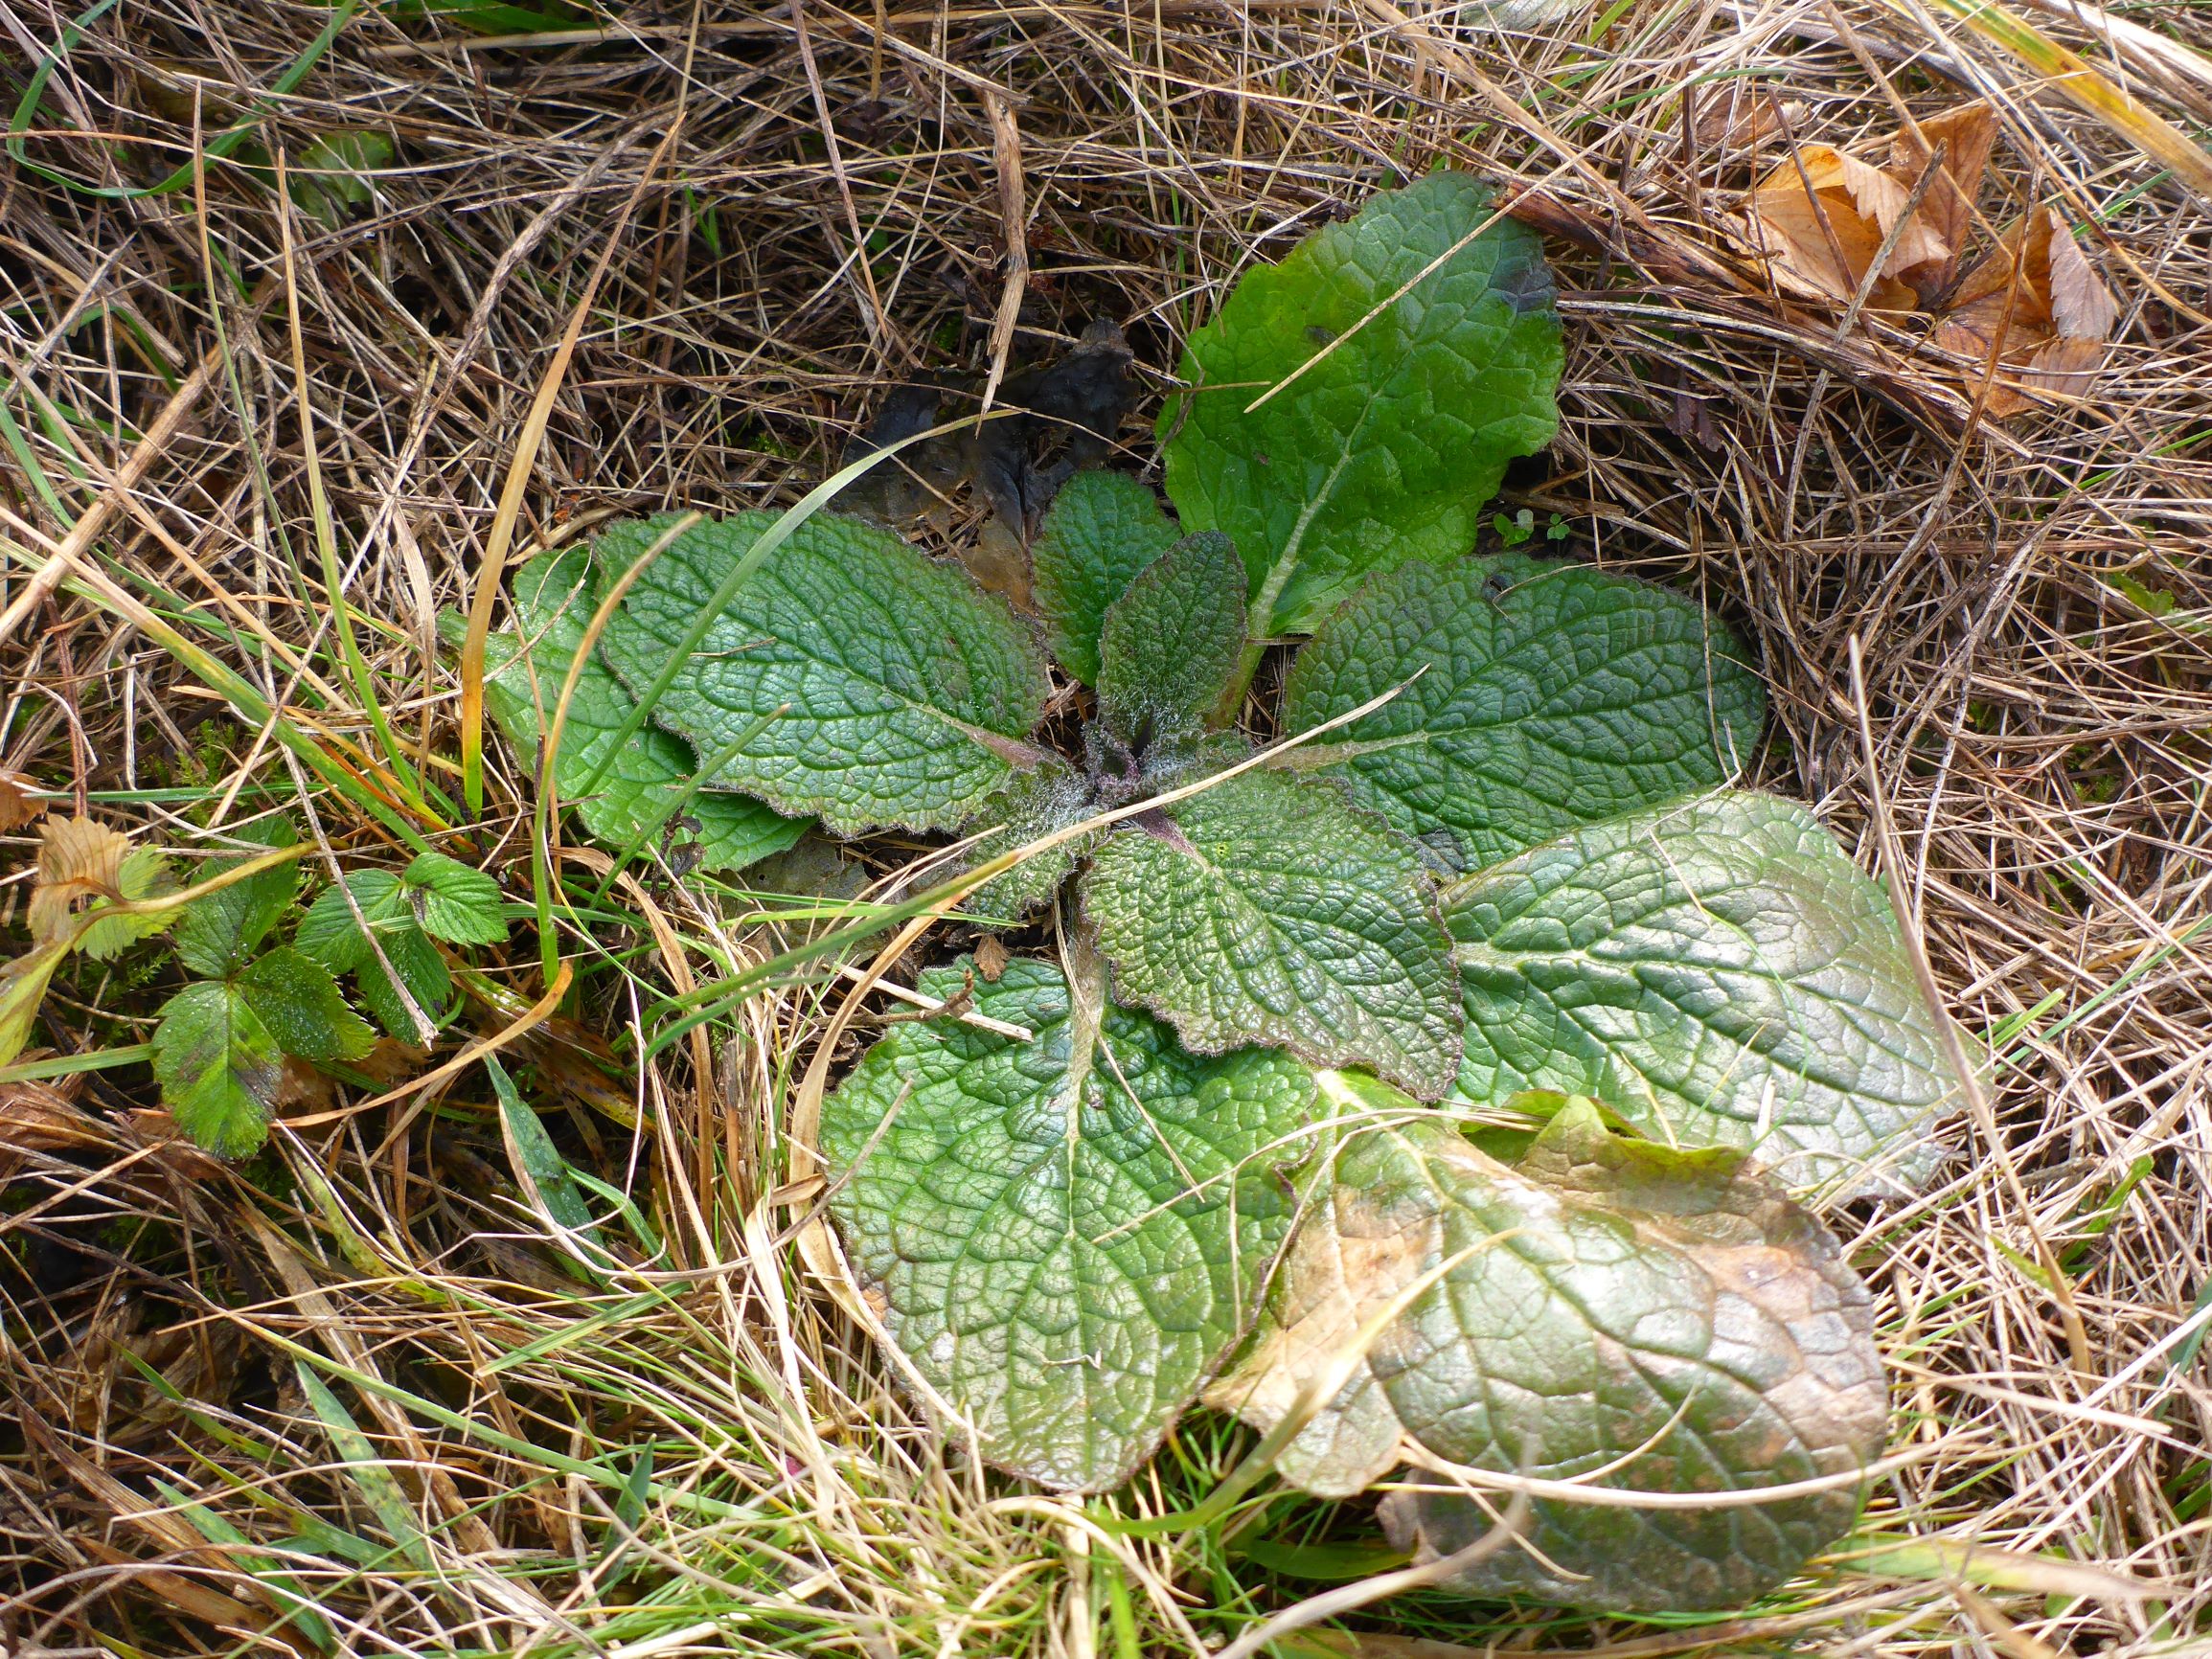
{"x": 1492, "y": 871}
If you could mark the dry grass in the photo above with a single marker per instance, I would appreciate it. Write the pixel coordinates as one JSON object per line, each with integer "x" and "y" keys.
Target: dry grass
{"x": 712, "y": 1461}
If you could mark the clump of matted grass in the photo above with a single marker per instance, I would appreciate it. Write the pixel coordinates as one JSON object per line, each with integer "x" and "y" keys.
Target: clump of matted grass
{"x": 357, "y": 1396}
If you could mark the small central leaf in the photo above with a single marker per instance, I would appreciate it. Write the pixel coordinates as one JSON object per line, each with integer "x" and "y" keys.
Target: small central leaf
{"x": 859, "y": 679}
{"x": 1062, "y": 1235}
{"x": 1599, "y": 1308}
{"x": 1171, "y": 642}
{"x": 1430, "y": 355}
{"x": 1266, "y": 909}
{"x": 1100, "y": 530}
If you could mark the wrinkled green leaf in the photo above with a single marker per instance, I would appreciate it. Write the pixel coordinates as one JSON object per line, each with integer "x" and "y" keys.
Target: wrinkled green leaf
{"x": 144, "y": 874}
{"x": 1062, "y": 1235}
{"x": 299, "y": 1001}
{"x": 1384, "y": 451}
{"x": 1100, "y": 530}
{"x": 328, "y": 934}
{"x": 1171, "y": 644}
{"x": 889, "y": 690}
{"x": 1670, "y": 1319}
{"x": 1721, "y": 974}
{"x": 1266, "y": 910}
{"x": 1549, "y": 696}
{"x": 453, "y": 903}
{"x": 218, "y": 934}
{"x": 1034, "y": 805}
{"x": 218, "y": 1066}
{"x": 650, "y": 778}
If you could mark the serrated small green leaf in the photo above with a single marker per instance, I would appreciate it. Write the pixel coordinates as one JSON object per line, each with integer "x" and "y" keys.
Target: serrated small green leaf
{"x": 1062, "y": 1235}
{"x": 1266, "y": 910}
{"x": 1721, "y": 974}
{"x": 330, "y": 935}
{"x": 1171, "y": 644}
{"x": 650, "y": 778}
{"x": 887, "y": 689}
{"x": 454, "y": 902}
{"x": 217, "y": 1065}
{"x": 1037, "y": 802}
{"x": 299, "y": 1003}
{"x": 218, "y": 934}
{"x": 1548, "y": 695}
{"x": 144, "y": 874}
{"x": 1100, "y": 530}
{"x": 1384, "y": 451}
{"x": 1601, "y": 1310}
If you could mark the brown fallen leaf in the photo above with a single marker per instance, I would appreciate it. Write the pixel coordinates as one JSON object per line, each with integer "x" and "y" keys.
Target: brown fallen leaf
{"x": 80, "y": 860}
{"x": 2033, "y": 308}
{"x": 2039, "y": 306}
{"x": 41, "y": 1117}
{"x": 1739, "y": 118}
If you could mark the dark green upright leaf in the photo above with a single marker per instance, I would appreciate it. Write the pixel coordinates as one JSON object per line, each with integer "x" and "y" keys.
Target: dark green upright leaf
{"x": 1061, "y": 1236}
{"x": 1548, "y": 695}
{"x": 454, "y": 902}
{"x": 1100, "y": 530}
{"x": 867, "y": 682}
{"x": 1265, "y": 910}
{"x": 1609, "y": 1310}
{"x": 1171, "y": 644}
{"x": 299, "y": 1001}
{"x": 1387, "y": 451}
{"x": 218, "y": 934}
{"x": 649, "y": 780}
{"x": 217, "y": 1065}
{"x": 1721, "y": 974}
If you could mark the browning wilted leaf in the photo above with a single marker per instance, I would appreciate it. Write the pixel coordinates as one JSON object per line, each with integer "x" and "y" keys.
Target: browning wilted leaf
{"x": 1595, "y": 1309}
{"x": 19, "y": 800}
{"x": 1740, "y": 117}
{"x": 80, "y": 860}
{"x": 1967, "y": 135}
{"x": 2040, "y": 306}
{"x": 41, "y": 1117}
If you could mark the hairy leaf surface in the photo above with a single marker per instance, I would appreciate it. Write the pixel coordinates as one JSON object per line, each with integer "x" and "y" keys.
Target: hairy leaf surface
{"x": 1383, "y": 451}
{"x": 1720, "y": 973}
{"x": 1548, "y": 695}
{"x": 649, "y": 777}
{"x": 1657, "y": 1321}
{"x": 1100, "y": 530}
{"x": 1062, "y": 1235}
{"x": 1266, "y": 910}
{"x": 1171, "y": 642}
{"x": 1032, "y": 805}
{"x": 878, "y": 688}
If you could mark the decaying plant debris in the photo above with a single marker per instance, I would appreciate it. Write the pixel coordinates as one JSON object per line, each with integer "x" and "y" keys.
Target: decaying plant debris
{"x": 2035, "y": 683}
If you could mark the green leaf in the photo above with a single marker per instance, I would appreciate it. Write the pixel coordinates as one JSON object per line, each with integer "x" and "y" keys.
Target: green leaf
{"x": 144, "y": 874}
{"x": 218, "y": 934}
{"x": 1100, "y": 530}
{"x": 454, "y": 902}
{"x": 1721, "y": 974}
{"x": 327, "y": 178}
{"x": 1171, "y": 644}
{"x": 1386, "y": 449}
{"x": 1032, "y": 806}
{"x": 1550, "y": 695}
{"x": 1062, "y": 1235}
{"x": 650, "y": 780}
{"x": 330, "y": 935}
{"x": 23, "y": 983}
{"x": 1604, "y": 1310}
{"x": 886, "y": 688}
{"x": 1266, "y": 910}
{"x": 298, "y": 1001}
{"x": 218, "y": 1065}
